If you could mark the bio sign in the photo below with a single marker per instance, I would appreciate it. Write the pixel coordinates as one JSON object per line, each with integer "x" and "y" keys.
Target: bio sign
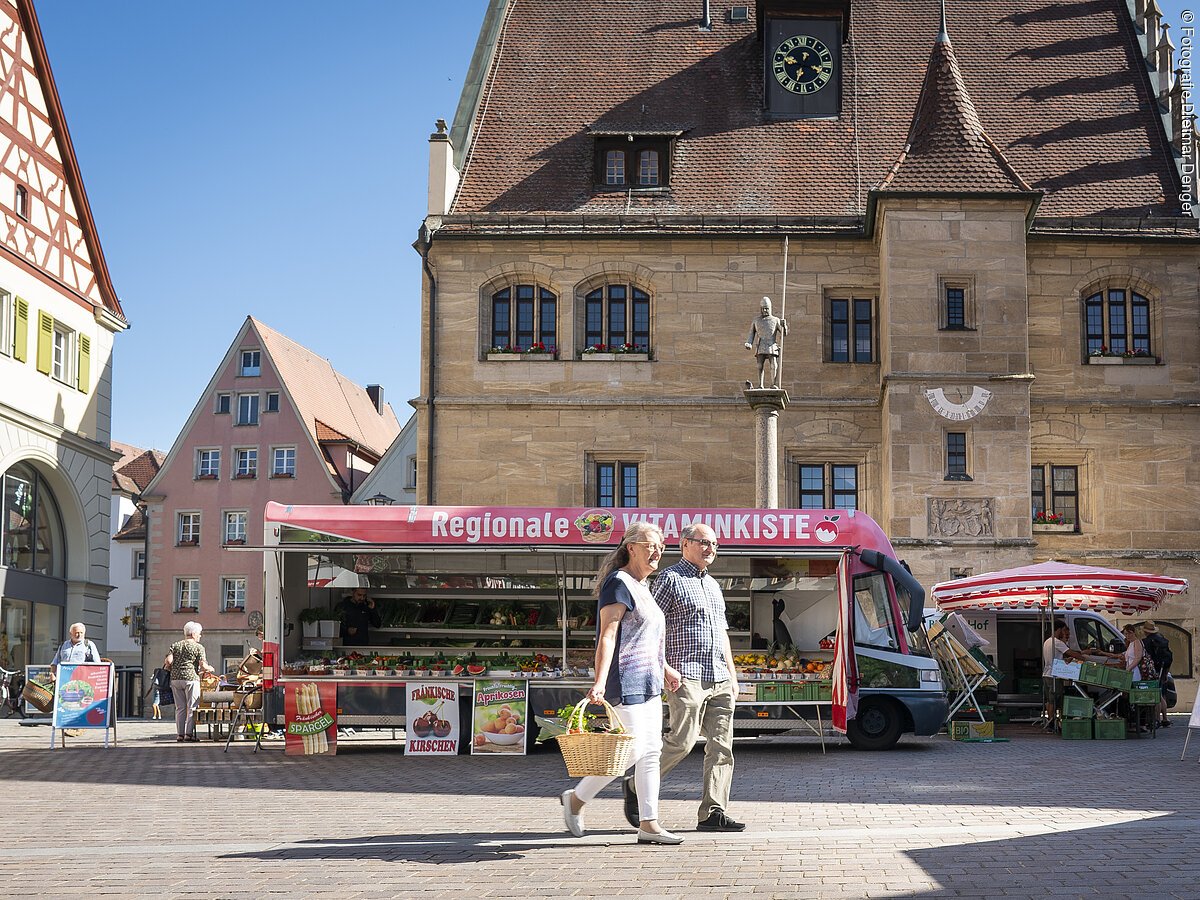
{"x": 499, "y": 717}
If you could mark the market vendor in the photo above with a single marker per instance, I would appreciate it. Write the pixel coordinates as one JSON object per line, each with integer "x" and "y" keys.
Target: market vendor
{"x": 359, "y": 616}
{"x": 1054, "y": 648}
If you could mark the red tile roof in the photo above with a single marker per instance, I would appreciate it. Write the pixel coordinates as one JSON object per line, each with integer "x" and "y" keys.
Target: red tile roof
{"x": 136, "y": 467}
{"x": 1061, "y": 88}
{"x": 134, "y": 529}
{"x": 947, "y": 150}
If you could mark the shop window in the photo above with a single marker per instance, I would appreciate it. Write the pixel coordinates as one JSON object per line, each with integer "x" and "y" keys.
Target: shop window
{"x": 524, "y": 317}
{"x": 1054, "y": 492}
{"x": 616, "y": 320}
{"x": 827, "y": 486}
{"x": 850, "y": 330}
{"x": 31, "y": 532}
{"x": 1116, "y": 322}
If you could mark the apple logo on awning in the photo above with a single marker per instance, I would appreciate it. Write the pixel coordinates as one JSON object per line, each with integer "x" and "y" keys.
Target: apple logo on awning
{"x": 827, "y": 531}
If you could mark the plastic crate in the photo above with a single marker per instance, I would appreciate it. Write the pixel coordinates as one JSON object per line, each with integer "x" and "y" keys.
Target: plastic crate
{"x": 825, "y": 691}
{"x": 1078, "y": 729}
{"x": 1078, "y": 707}
{"x": 772, "y": 693}
{"x": 1029, "y": 685}
{"x": 1092, "y": 673}
{"x": 1118, "y": 678}
{"x": 1145, "y": 693}
{"x": 803, "y": 690}
{"x": 1110, "y": 729}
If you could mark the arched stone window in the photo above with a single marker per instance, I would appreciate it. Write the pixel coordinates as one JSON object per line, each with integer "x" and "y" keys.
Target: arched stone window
{"x": 31, "y": 532}
{"x": 1118, "y": 321}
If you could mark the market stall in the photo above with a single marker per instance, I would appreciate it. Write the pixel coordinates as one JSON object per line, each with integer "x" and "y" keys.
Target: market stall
{"x": 1054, "y": 585}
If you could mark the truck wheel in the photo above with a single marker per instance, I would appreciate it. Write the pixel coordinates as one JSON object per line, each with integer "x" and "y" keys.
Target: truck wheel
{"x": 876, "y": 727}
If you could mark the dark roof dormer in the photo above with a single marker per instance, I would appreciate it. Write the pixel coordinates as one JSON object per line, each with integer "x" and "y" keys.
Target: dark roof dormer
{"x": 802, "y": 56}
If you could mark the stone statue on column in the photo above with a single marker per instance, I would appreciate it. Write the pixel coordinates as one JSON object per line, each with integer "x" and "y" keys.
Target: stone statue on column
{"x": 766, "y": 334}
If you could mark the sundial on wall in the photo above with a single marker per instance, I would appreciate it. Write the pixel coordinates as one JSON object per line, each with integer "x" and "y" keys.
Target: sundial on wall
{"x": 958, "y": 404}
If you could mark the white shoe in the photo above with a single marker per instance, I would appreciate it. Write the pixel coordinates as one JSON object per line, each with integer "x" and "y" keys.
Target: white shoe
{"x": 658, "y": 837}
{"x": 573, "y": 821}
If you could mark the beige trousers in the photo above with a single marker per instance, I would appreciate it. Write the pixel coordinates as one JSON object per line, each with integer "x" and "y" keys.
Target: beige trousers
{"x": 703, "y": 708}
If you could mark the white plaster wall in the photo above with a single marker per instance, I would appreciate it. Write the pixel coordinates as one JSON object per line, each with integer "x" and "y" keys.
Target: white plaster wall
{"x": 127, "y": 590}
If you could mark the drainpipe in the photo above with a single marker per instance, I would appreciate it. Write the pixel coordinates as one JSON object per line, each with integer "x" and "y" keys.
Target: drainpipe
{"x": 423, "y": 247}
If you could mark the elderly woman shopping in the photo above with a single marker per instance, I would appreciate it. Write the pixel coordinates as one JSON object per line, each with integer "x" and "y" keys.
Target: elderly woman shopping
{"x": 631, "y": 669}
{"x": 186, "y": 661}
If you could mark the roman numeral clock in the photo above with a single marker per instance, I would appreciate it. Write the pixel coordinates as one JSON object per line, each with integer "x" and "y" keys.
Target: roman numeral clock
{"x": 802, "y": 58}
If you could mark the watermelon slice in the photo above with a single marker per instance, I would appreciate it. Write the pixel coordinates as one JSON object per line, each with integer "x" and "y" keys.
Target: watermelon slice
{"x": 458, "y": 669}
{"x": 476, "y": 670}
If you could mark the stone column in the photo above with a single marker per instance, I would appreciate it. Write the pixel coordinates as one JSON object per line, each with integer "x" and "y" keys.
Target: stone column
{"x": 767, "y": 404}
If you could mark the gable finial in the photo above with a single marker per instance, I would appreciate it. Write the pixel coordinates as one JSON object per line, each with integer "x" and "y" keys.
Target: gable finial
{"x": 943, "y": 35}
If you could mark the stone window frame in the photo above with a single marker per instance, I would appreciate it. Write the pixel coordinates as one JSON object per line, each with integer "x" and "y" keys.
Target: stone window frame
{"x": 827, "y": 458}
{"x": 968, "y": 450}
{"x": 965, "y": 283}
{"x": 1132, "y": 283}
{"x": 509, "y": 276}
{"x": 633, "y": 277}
{"x": 852, "y": 295}
{"x": 1083, "y": 464}
{"x": 617, "y": 458}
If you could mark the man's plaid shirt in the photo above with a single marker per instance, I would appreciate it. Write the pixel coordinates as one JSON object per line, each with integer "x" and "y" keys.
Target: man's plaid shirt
{"x": 694, "y": 608}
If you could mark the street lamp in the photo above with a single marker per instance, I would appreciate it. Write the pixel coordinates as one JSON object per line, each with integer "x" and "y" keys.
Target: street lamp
{"x": 380, "y": 499}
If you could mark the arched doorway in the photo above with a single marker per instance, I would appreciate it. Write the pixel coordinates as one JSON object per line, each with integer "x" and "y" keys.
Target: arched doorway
{"x": 33, "y": 552}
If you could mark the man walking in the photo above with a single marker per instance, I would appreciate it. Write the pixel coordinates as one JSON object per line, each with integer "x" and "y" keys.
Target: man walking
{"x": 698, "y": 646}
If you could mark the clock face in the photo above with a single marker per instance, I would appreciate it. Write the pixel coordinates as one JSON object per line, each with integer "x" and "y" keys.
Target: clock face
{"x": 802, "y": 64}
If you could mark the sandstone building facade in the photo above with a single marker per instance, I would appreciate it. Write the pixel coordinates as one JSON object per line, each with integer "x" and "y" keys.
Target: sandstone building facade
{"x": 991, "y": 278}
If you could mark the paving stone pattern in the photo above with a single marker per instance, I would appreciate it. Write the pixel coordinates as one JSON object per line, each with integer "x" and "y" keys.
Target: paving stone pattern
{"x": 932, "y": 818}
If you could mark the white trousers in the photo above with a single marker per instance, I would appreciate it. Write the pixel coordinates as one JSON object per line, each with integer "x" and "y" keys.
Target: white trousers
{"x": 644, "y": 721}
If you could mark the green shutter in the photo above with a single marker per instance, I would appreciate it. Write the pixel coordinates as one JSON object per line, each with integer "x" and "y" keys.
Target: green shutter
{"x": 45, "y": 348}
{"x": 83, "y": 382}
{"x": 21, "y": 330}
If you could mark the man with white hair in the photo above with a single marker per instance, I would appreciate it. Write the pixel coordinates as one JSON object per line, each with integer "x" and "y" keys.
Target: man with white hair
{"x": 77, "y": 649}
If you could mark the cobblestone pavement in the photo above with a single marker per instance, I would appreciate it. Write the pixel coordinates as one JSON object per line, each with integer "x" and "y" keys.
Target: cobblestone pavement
{"x": 1033, "y": 817}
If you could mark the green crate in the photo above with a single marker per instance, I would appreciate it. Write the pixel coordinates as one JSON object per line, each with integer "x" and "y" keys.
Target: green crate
{"x": 1078, "y": 707}
{"x": 1077, "y": 729}
{"x": 1092, "y": 673}
{"x": 1118, "y": 678}
{"x": 1145, "y": 696}
{"x": 771, "y": 693}
{"x": 1001, "y": 717}
{"x": 1144, "y": 686}
{"x": 1110, "y": 729}
{"x": 1029, "y": 686}
{"x": 825, "y": 691}
{"x": 804, "y": 690}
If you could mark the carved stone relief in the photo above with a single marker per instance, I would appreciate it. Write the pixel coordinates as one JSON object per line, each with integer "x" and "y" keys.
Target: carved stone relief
{"x": 961, "y": 517}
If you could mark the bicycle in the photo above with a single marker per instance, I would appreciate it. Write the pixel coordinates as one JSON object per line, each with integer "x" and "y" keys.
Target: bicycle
{"x": 11, "y": 685}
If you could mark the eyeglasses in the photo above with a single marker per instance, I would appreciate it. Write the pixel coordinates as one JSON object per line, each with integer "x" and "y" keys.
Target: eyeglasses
{"x": 707, "y": 545}
{"x": 651, "y": 545}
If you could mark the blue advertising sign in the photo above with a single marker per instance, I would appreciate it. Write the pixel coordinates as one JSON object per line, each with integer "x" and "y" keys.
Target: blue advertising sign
{"x": 83, "y": 696}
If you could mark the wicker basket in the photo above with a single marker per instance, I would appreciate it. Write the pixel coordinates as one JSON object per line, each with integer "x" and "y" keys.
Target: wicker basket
{"x": 595, "y": 753}
{"x": 38, "y": 695}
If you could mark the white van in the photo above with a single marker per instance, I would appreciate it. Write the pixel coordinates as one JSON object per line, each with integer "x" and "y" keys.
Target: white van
{"x": 1015, "y": 638}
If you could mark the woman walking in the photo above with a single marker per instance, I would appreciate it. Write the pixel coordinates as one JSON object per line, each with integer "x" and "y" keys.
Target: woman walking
{"x": 630, "y": 671}
{"x": 186, "y": 661}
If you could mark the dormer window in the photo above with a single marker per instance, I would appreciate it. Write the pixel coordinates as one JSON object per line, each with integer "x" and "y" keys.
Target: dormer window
{"x": 638, "y": 161}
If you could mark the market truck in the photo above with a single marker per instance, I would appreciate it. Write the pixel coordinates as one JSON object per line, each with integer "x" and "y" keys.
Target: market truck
{"x": 506, "y": 592}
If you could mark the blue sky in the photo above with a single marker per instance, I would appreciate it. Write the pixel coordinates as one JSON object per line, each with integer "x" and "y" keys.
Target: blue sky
{"x": 263, "y": 158}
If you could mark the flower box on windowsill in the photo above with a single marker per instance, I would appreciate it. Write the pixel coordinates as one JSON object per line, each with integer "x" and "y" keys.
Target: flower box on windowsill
{"x": 233, "y": 608}
{"x": 235, "y": 542}
{"x": 282, "y": 475}
{"x": 188, "y": 609}
{"x": 240, "y": 476}
{"x": 206, "y": 477}
{"x": 189, "y": 542}
{"x": 510, "y": 357}
{"x": 1122, "y": 360}
{"x": 1053, "y": 527}
{"x": 608, "y": 357}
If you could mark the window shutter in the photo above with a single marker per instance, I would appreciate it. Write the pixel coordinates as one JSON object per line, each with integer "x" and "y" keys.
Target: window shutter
{"x": 45, "y": 347}
{"x": 83, "y": 381}
{"x": 21, "y": 330}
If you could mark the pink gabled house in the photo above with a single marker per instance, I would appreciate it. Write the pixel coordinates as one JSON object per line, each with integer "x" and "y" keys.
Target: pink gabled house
{"x": 276, "y": 422}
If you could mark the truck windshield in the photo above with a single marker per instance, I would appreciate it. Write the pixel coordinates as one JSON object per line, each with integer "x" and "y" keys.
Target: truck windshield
{"x": 1094, "y": 635}
{"x": 874, "y": 625}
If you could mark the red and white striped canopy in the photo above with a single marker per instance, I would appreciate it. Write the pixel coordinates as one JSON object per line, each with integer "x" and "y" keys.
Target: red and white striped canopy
{"x": 1074, "y": 587}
